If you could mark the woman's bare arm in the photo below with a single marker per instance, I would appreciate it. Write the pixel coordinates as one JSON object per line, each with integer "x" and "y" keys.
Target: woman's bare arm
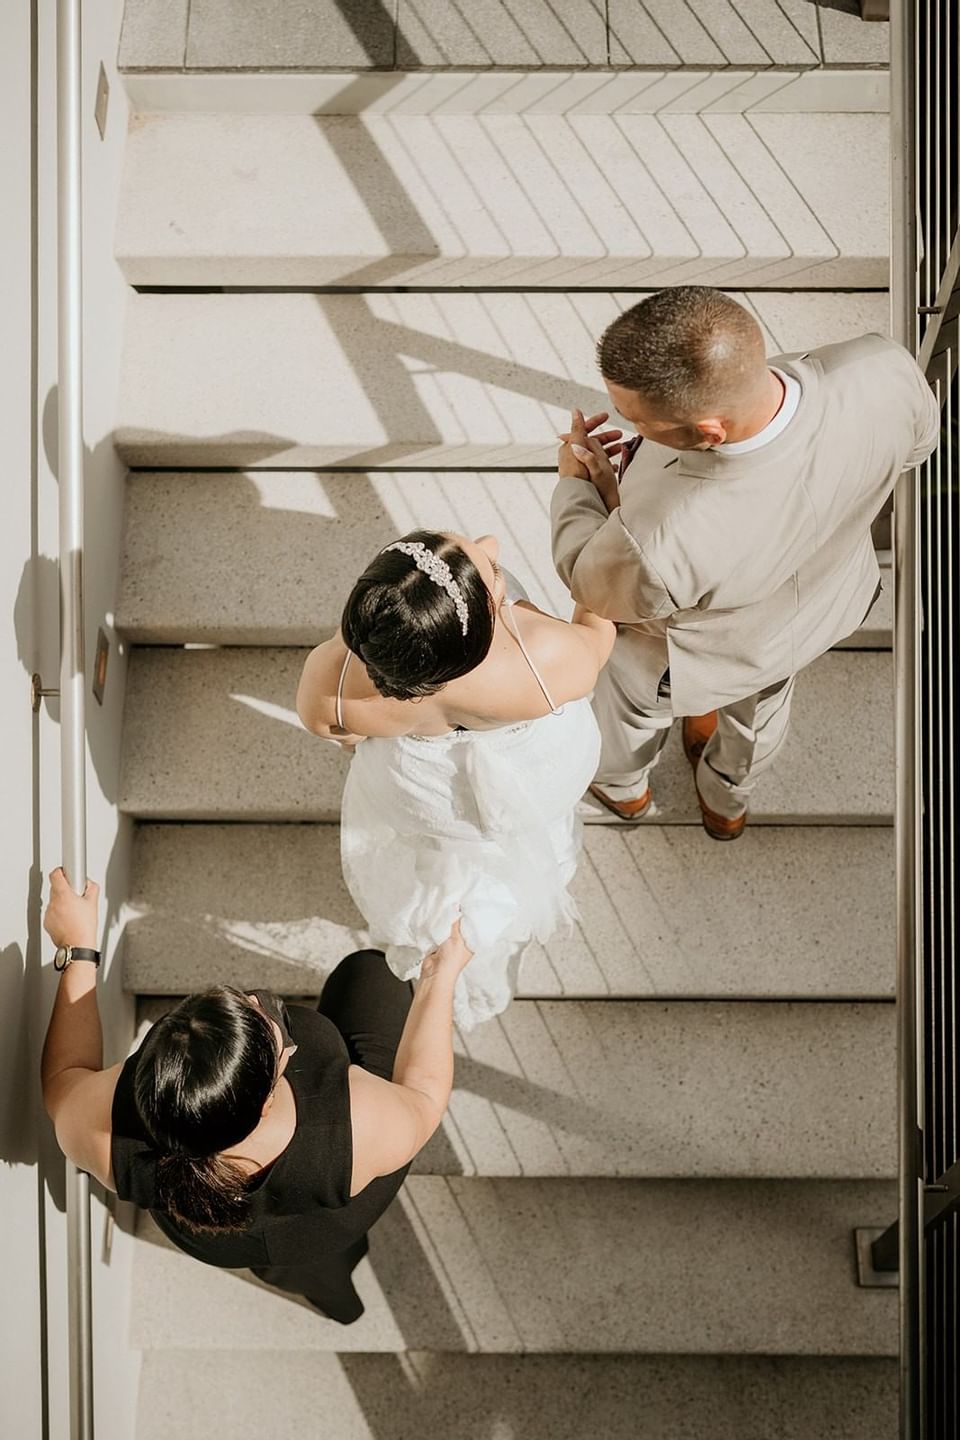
{"x": 77, "y": 1091}
{"x": 393, "y": 1120}
{"x": 314, "y": 695}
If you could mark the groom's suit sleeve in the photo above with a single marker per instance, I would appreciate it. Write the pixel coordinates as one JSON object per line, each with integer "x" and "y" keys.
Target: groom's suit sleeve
{"x": 602, "y": 564}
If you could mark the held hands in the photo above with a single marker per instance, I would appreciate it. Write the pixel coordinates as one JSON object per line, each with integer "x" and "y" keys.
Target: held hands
{"x": 453, "y": 955}
{"x": 588, "y": 455}
{"x": 71, "y": 919}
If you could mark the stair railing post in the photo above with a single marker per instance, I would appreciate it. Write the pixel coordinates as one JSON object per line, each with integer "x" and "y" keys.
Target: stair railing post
{"x": 906, "y": 646}
{"x": 73, "y": 809}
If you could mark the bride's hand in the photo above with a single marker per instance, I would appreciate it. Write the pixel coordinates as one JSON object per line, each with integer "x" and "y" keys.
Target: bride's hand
{"x": 453, "y": 954}
{"x": 584, "y": 433}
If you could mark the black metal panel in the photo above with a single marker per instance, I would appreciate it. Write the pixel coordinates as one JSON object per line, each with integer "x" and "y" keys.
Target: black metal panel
{"x": 938, "y": 188}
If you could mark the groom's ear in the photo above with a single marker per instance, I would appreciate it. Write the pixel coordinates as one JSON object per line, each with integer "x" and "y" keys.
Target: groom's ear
{"x": 712, "y": 431}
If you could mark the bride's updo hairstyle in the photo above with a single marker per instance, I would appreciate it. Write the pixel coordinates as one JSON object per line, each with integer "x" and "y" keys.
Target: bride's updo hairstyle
{"x": 405, "y": 627}
{"x": 203, "y": 1076}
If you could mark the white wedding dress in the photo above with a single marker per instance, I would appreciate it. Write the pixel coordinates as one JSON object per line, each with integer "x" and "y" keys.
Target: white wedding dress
{"x": 476, "y": 822}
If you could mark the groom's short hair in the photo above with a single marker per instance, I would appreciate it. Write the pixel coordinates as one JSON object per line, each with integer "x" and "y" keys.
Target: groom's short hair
{"x": 689, "y": 351}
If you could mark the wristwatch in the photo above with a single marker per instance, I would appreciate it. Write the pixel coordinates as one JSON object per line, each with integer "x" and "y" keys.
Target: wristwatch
{"x": 65, "y": 954}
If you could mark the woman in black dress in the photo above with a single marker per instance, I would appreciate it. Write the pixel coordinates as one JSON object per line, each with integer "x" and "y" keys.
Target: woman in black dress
{"x": 259, "y": 1135}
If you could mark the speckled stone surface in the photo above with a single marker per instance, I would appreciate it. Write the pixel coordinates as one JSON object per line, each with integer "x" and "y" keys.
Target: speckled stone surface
{"x": 516, "y": 200}
{"x": 356, "y": 34}
{"x": 380, "y": 1397}
{"x": 659, "y": 1090}
{"x": 566, "y": 1266}
{"x": 412, "y": 380}
{"x": 275, "y": 34}
{"x": 268, "y": 557}
{"x": 786, "y": 912}
{"x": 213, "y": 734}
{"x": 154, "y": 34}
{"x": 714, "y": 32}
{"x": 848, "y": 40}
{"x": 521, "y": 34}
{"x": 650, "y": 1089}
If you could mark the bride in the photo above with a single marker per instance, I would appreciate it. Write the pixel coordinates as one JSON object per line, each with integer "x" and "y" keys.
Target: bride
{"x": 478, "y": 741}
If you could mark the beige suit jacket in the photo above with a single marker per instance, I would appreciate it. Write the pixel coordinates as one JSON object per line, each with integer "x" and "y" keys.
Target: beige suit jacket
{"x": 738, "y": 570}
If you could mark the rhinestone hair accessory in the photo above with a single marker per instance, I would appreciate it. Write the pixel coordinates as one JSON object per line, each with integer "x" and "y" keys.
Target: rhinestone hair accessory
{"x": 439, "y": 572}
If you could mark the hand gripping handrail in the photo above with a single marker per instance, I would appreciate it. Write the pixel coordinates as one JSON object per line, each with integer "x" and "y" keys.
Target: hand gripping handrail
{"x": 73, "y": 804}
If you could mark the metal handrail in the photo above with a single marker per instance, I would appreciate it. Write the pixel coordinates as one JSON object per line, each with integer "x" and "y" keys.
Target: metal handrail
{"x": 73, "y": 805}
{"x": 906, "y": 649}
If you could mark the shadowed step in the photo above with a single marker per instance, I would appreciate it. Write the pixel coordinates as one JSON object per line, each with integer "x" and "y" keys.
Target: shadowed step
{"x": 384, "y": 1397}
{"x": 213, "y": 734}
{"x": 654, "y": 1089}
{"x": 616, "y": 1266}
{"x": 664, "y": 912}
{"x": 268, "y": 557}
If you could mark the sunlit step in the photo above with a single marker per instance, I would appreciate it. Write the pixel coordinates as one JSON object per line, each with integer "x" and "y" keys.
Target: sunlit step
{"x": 268, "y": 557}
{"x": 213, "y": 734}
{"x": 419, "y": 381}
{"x": 786, "y": 912}
{"x": 195, "y": 1393}
{"x": 564, "y": 1266}
{"x": 708, "y": 196}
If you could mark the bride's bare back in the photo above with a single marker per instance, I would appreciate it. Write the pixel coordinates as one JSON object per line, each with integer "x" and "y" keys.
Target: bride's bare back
{"x": 526, "y": 665}
{"x": 502, "y": 690}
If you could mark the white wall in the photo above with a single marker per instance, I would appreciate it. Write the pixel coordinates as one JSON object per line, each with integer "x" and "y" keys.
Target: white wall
{"x": 33, "y": 1371}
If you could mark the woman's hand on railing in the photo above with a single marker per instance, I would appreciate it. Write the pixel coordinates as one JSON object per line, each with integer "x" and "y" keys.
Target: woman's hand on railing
{"x": 72, "y": 919}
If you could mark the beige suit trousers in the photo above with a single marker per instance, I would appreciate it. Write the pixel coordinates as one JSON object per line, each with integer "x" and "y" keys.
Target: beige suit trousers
{"x": 748, "y": 736}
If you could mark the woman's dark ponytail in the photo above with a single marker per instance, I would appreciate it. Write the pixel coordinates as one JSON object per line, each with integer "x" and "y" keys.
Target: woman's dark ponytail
{"x": 202, "y": 1192}
{"x": 203, "y": 1075}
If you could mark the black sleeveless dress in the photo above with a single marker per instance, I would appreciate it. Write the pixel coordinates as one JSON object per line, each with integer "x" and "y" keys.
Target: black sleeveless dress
{"x": 305, "y": 1234}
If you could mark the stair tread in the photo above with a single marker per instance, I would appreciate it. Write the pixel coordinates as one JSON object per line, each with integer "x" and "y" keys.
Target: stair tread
{"x": 682, "y": 1090}
{"x": 317, "y": 380}
{"x": 622, "y": 1266}
{"x": 192, "y": 1393}
{"x": 231, "y": 559}
{"x": 836, "y": 763}
{"x": 249, "y": 905}
{"x": 506, "y": 199}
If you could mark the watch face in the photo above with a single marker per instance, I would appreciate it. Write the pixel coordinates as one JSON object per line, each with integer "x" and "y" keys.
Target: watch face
{"x": 61, "y": 957}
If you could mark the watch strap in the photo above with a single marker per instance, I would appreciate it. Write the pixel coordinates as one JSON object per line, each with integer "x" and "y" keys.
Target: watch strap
{"x": 68, "y": 953}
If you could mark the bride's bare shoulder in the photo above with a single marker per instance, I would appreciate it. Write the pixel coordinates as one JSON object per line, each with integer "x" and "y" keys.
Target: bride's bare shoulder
{"x": 316, "y": 693}
{"x": 558, "y": 651}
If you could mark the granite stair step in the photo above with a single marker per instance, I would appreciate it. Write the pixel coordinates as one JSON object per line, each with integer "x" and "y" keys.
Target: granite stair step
{"x": 787, "y": 912}
{"x": 646, "y": 194}
{"x": 563, "y": 1266}
{"x": 212, "y": 734}
{"x": 232, "y": 559}
{"x": 413, "y": 381}
{"x": 194, "y": 1393}
{"x": 526, "y": 37}
{"x": 666, "y": 1090}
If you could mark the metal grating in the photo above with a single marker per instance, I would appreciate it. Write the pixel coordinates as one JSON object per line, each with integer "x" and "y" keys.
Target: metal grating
{"x": 938, "y": 71}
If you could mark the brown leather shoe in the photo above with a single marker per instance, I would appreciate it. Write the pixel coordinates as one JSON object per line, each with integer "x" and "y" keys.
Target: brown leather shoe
{"x": 697, "y": 730}
{"x": 626, "y": 809}
{"x": 718, "y": 827}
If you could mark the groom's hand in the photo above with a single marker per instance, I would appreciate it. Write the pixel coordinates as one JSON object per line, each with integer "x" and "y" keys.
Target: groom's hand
{"x": 587, "y": 452}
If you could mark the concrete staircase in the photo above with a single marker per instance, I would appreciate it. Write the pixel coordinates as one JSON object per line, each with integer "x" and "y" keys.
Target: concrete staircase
{"x": 636, "y": 1220}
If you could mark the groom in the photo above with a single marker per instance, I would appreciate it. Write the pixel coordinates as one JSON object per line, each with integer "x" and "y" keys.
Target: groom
{"x": 733, "y": 547}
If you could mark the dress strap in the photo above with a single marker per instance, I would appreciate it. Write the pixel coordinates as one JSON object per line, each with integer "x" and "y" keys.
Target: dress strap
{"x": 343, "y": 676}
{"x": 515, "y": 632}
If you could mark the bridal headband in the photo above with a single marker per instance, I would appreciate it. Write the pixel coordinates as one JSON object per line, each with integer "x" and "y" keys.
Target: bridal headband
{"x": 439, "y": 572}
